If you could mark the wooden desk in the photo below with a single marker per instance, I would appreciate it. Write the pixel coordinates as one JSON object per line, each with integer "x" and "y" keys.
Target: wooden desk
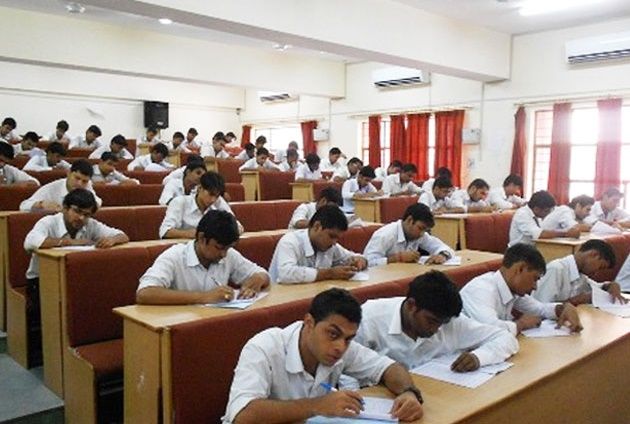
{"x": 302, "y": 191}
{"x": 251, "y": 185}
{"x": 211, "y": 163}
{"x": 4, "y": 264}
{"x": 174, "y": 159}
{"x": 450, "y": 228}
{"x": 578, "y": 379}
{"x": 560, "y": 247}
{"x": 143, "y": 149}
{"x": 368, "y": 209}
{"x": 147, "y": 337}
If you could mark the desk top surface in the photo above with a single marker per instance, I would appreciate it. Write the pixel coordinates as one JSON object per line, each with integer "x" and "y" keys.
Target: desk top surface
{"x": 569, "y": 241}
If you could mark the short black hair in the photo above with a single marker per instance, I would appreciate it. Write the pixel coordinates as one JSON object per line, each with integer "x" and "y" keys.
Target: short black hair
{"x": 293, "y": 153}
{"x": 420, "y": 212}
{"x": 63, "y": 125}
{"x": 355, "y": 160}
{"x": 6, "y": 150}
{"x": 312, "y": 159}
{"x": 178, "y": 134}
{"x": 193, "y": 130}
{"x": 612, "y": 192}
{"x": 396, "y": 163}
{"x": 31, "y": 135}
{"x": 334, "y": 151}
{"x": 230, "y": 134}
{"x": 443, "y": 171}
{"x": 513, "y": 179}
{"x": 119, "y": 139}
{"x": 526, "y": 253}
{"x": 152, "y": 129}
{"x": 191, "y": 166}
{"x": 367, "y": 171}
{"x": 82, "y": 166}
{"x": 330, "y": 217}
{"x": 96, "y": 130}
{"x": 109, "y": 156}
{"x": 160, "y": 148}
{"x": 218, "y": 136}
{"x": 409, "y": 167}
{"x": 442, "y": 182}
{"x": 542, "y": 199}
{"x": 261, "y": 139}
{"x": 219, "y": 226}
{"x": 193, "y": 158}
{"x": 81, "y": 198}
{"x": 582, "y": 200}
{"x": 435, "y": 292}
{"x": 331, "y": 194}
{"x": 56, "y": 147}
{"x": 262, "y": 151}
{"x": 249, "y": 147}
{"x": 10, "y": 122}
{"x": 335, "y": 301}
{"x": 213, "y": 183}
{"x": 603, "y": 249}
{"x": 479, "y": 183}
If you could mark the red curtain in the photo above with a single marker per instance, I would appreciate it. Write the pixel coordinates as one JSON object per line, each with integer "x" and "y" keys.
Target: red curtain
{"x": 307, "y": 137}
{"x": 374, "y": 131}
{"x": 417, "y": 142}
{"x": 448, "y": 143}
{"x": 560, "y": 156}
{"x": 520, "y": 143}
{"x": 397, "y": 138}
{"x": 608, "y": 159}
{"x": 247, "y": 131}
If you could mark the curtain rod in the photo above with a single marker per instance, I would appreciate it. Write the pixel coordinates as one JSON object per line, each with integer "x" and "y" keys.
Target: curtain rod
{"x": 295, "y": 121}
{"x": 569, "y": 99}
{"x": 407, "y": 111}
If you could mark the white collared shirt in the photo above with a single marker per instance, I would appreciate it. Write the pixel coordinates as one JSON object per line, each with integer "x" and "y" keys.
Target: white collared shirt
{"x": 79, "y": 142}
{"x": 525, "y": 227}
{"x": 9, "y": 137}
{"x": 243, "y": 155}
{"x": 178, "y": 268}
{"x": 187, "y": 146}
{"x": 14, "y": 175}
{"x": 598, "y": 214}
{"x": 623, "y": 278}
{"x": 381, "y": 330}
{"x": 53, "y": 137}
{"x": 183, "y": 213}
{"x": 428, "y": 199}
{"x": 562, "y": 281}
{"x": 488, "y": 299}
{"x": 461, "y": 199}
{"x": 35, "y": 151}
{"x": 54, "y": 191}
{"x": 123, "y": 154}
{"x": 304, "y": 211}
{"x": 392, "y": 185}
{"x": 270, "y": 367}
{"x": 296, "y": 261}
{"x": 344, "y": 173}
{"x": 286, "y": 166}
{"x": 498, "y": 198}
{"x": 40, "y": 163}
{"x": 303, "y": 172}
{"x": 207, "y": 150}
{"x": 326, "y": 166}
{"x": 252, "y": 165}
{"x": 114, "y": 177}
{"x": 54, "y": 226}
{"x": 390, "y": 239}
{"x": 561, "y": 218}
{"x": 147, "y": 164}
{"x": 427, "y": 186}
{"x": 381, "y": 174}
{"x": 176, "y": 174}
{"x": 349, "y": 189}
{"x": 173, "y": 189}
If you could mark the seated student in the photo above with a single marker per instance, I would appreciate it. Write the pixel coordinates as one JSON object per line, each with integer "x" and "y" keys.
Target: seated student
{"x": 401, "y": 184}
{"x": 290, "y": 163}
{"x": 50, "y": 196}
{"x": 9, "y": 174}
{"x": 526, "y": 225}
{"x": 280, "y": 372}
{"x": 176, "y": 143}
{"x": 393, "y": 168}
{"x": 567, "y": 279}
{"x": 473, "y": 199}
{"x": 185, "y": 185}
{"x": 309, "y": 171}
{"x": 333, "y": 163}
{"x": 60, "y": 133}
{"x": 313, "y": 254}
{"x": 400, "y": 241}
{"x": 217, "y": 151}
{"x": 260, "y": 162}
{"x": 608, "y": 211}
{"x": 199, "y": 271}
{"x": 105, "y": 171}
{"x": 427, "y": 324}
{"x": 52, "y": 160}
{"x": 442, "y": 171}
{"x": 490, "y": 298}
{"x": 230, "y": 139}
{"x": 89, "y": 141}
{"x": 153, "y": 162}
{"x": 190, "y": 144}
{"x": 350, "y": 171}
{"x": 623, "y": 278}
{"x": 179, "y": 172}
{"x": 7, "y": 131}
{"x": 358, "y": 188}
{"x": 150, "y": 138}
{"x": 28, "y": 145}
{"x": 281, "y": 155}
{"x": 184, "y": 212}
{"x": 303, "y": 213}
{"x": 437, "y": 199}
{"x": 260, "y": 142}
{"x": 248, "y": 152}
{"x": 508, "y": 196}
{"x": 568, "y": 216}
{"x": 117, "y": 146}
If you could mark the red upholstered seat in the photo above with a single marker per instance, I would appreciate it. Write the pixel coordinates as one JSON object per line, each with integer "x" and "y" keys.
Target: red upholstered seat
{"x": 461, "y": 275}
{"x": 78, "y": 153}
{"x": 319, "y": 185}
{"x": 145, "y": 194}
{"x": 283, "y": 211}
{"x": 146, "y": 177}
{"x": 19, "y": 225}
{"x": 393, "y": 208}
{"x": 129, "y": 195}
{"x": 119, "y": 218}
{"x": 378, "y": 184}
{"x": 275, "y": 185}
{"x": 147, "y": 221}
{"x": 261, "y": 216}
{"x": 12, "y": 195}
{"x": 356, "y": 238}
{"x": 376, "y": 291}
{"x": 236, "y": 192}
{"x": 45, "y": 177}
{"x": 112, "y": 195}
{"x": 502, "y": 222}
{"x": 229, "y": 169}
{"x": 106, "y": 358}
{"x": 258, "y": 249}
{"x": 480, "y": 233}
{"x": 19, "y": 161}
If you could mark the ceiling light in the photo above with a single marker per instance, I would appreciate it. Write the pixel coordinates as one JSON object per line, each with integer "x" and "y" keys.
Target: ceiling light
{"x": 74, "y": 7}
{"x": 281, "y": 47}
{"x": 539, "y": 7}
{"x": 165, "y": 21}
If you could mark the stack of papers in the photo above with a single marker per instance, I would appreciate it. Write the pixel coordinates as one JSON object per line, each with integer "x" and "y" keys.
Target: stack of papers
{"x": 603, "y": 301}
{"x": 603, "y": 229}
{"x": 374, "y": 410}
{"x": 454, "y": 261}
{"x": 547, "y": 329}
{"x": 440, "y": 369}
{"x": 237, "y": 303}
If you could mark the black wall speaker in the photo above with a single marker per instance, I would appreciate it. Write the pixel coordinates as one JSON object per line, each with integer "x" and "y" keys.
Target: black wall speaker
{"x": 156, "y": 114}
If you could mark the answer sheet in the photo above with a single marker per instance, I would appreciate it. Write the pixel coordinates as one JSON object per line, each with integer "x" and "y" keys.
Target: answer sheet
{"x": 603, "y": 301}
{"x": 454, "y": 261}
{"x": 547, "y": 329}
{"x": 237, "y": 303}
{"x": 375, "y": 410}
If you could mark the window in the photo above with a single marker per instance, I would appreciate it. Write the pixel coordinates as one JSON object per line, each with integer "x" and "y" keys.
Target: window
{"x": 278, "y": 138}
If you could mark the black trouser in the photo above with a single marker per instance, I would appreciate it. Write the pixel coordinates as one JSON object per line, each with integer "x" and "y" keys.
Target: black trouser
{"x": 33, "y": 320}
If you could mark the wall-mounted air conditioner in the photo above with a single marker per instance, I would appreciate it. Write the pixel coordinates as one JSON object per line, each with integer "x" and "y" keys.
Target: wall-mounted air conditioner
{"x": 397, "y": 77}
{"x": 276, "y": 97}
{"x": 322, "y": 134}
{"x": 595, "y": 49}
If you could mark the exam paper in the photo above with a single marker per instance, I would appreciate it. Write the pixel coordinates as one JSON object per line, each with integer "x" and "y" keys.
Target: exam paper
{"x": 360, "y": 276}
{"x": 454, "y": 261}
{"x": 603, "y": 229}
{"x": 603, "y": 301}
{"x": 440, "y": 369}
{"x": 90, "y": 247}
{"x": 238, "y": 303}
{"x": 547, "y": 329}
{"x": 374, "y": 410}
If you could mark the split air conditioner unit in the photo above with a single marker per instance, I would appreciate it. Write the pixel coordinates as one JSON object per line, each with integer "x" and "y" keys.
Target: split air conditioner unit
{"x": 321, "y": 134}
{"x": 275, "y": 97}
{"x": 600, "y": 48}
{"x": 398, "y": 77}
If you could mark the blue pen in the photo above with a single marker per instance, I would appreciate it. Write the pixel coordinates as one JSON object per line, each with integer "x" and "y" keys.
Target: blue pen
{"x": 329, "y": 388}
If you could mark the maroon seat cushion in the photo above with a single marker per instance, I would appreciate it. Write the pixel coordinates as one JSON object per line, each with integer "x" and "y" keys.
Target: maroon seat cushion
{"x": 229, "y": 169}
{"x": 258, "y": 249}
{"x": 105, "y": 357}
{"x": 236, "y": 192}
{"x": 283, "y": 211}
{"x": 318, "y": 186}
{"x": 119, "y": 218}
{"x": 113, "y": 195}
{"x": 255, "y": 216}
{"x": 461, "y": 275}
{"x": 147, "y": 220}
{"x": 12, "y": 195}
{"x": 145, "y": 194}
{"x": 18, "y": 226}
{"x": 147, "y": 177}
{"x": 45, "y": 177}
{"x": 393, "y": 208}
{"x": 480, "y": 234}
{"x": 19, "y": 161}
{"x": 275, "y": 185}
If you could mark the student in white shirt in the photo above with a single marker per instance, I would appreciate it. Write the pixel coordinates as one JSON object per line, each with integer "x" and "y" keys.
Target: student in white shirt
{"x": 60, "y": 133}
{"x": 568, "y": 216}
{"x": 51, "y": 160}
{"x": 90, "y": 141}
{"x": 438, "y": 200}
{"x": 359, "y": 188}
{"x": 441, "y": 172}
{"x": 428, "y": 323}
{"x": 154, "y": 161}
{"x": 303, "y": 213}
{"x": 28, "y": 145}
{"x": 568, "y": 279}
{"x": 185, "y": 185}
{"x": 279, "y": 371}
{"x": 401, "y": 184}
{"x": 313, "y": 254}
{"x": 281, "y": 155}
{"x": 509, "y": 195}
{"x": 199, "y": 271}
{"x": 9, "y": 174}
{"x": 149, "y": 138}
{"x": 400, "y": 241}
{"x": 50, "y": 196}
{"x": 491, "y": 297}
{"x": 190, "y": 144}
{"x": 350, "y": 171}
{"x": 393, "y": 168}
{"x": 290, "y": 163}
{"x": 333, "y": 163}
{"x": 473, "y": 199}
{"x": 608, "y": 211}
{"x": 526, "y": 222}
{"x": 7, "y": 131}
{"x": 260, "y": 162}
{"x": 230, "y": 139}
{"x": 105, "y": 171}
{"x": 179, "y": 172}
{"x": 260, "y": 142}
{"x": 217, "y": 150}
{"x": 309, "y": 171}
{"x": 623, "y": 278}
{"x": 118, "y": 146}
{"x": 248, "y": 152}
{"x": 176, "y": 144}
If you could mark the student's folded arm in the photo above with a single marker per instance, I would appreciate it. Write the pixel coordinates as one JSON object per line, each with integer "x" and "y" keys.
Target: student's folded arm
{"x": 490, "y": 344}
{"x": 154, "y": 295}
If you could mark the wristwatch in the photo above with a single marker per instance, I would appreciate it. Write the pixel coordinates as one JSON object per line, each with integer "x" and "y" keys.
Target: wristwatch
{"x": 415, "y": 391}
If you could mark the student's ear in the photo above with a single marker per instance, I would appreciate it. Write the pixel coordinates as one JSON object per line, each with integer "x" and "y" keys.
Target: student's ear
{"x": 317, "y": 226}
{"x": 520, "y": 267}
{"x": 410, "y": 304}
{"x": 309, "y": 321}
